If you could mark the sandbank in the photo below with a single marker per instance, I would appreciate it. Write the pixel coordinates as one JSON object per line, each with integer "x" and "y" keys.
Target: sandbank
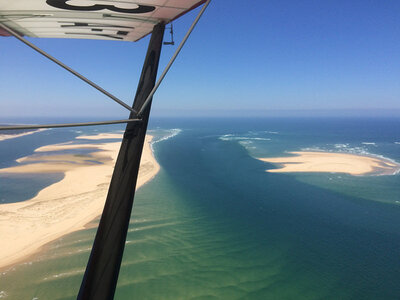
{"x": 13, "y": 136}
{"x": 101, "y": 136}
{"x": 65, "y": 206}
{"x": 65, "y": 146}
{"x": 310, "y": 161}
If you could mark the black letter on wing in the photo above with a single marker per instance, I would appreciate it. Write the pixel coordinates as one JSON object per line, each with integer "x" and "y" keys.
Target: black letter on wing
{"x": 141, "y": 9}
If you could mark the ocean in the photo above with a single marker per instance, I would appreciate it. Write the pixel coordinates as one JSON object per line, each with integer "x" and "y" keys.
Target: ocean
{"x": 213, "y": 224}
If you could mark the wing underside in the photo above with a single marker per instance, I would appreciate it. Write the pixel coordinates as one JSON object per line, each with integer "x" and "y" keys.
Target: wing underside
{"x": 90, "y": 19}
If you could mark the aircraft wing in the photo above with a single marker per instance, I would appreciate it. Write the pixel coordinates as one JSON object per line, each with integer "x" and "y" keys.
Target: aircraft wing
{"x": 123, "y": 20}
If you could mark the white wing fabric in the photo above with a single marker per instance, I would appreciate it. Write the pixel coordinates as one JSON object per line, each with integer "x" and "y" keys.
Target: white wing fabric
{"x": 90, "y": 19}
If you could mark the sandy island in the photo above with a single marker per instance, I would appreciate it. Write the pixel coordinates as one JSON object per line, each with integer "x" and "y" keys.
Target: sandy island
{"x": 65, "y": 206}
{"x": 334, "y": 163}
{"x": 13, "y": 136}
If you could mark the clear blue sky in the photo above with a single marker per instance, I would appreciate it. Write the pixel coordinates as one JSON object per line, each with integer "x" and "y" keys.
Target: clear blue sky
{"x": 244, "y": 58}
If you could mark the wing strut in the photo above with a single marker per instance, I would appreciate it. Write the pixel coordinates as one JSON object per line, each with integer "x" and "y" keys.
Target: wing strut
{"x": 16, "y": 127}
{"x": 150, "y": 96}
{"x": 101, "y": 275}
{"x": 62, "y": 65}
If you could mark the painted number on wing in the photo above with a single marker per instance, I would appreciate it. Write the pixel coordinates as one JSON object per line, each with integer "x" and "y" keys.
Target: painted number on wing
{"x": 100, "y": 5}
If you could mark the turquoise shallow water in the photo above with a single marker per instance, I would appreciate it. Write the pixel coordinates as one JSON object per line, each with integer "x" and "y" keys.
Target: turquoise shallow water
{"x": 214, "y": 225}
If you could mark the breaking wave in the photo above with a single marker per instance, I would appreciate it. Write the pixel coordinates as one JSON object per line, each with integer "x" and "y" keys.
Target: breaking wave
{"x": 248, "y": 142}
{"x": 346, "y": 148}
{"x": 232, "y": 137}
{"x": 170, "y": 133}
{"x": 64, "y": 274}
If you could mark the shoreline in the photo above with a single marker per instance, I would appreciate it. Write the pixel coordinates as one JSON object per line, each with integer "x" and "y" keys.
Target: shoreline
{"x": 4, "y": 137}
{"x": 332, "y": 162}
{"x": 67, "y": 205}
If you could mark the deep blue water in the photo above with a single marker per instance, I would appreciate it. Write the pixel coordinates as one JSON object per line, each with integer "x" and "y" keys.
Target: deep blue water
{"x": 337, "y": 238}
{"x": 214, "y": 225}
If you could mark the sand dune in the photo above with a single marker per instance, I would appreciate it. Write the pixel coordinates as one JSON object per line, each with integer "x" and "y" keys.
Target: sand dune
{"x": 67, "y": 205}
{"x": 101, "y": 136}
{"x": 332, "y": 162}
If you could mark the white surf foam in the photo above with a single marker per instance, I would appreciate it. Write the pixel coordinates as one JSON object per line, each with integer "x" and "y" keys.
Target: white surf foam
{"x": 369, "y": 143}
{"x": 341, "y": 146}
{"x": 172, "y": 133}
{"x": 245, "y": 143}
{"x": 345, "y": 148}
{"x": 64, "y": 274}
{"x": 260, "y": 139}
{"x": 232, "y": 137}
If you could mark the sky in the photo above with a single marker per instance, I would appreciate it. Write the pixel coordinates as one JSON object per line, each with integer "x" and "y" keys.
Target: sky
{"x": 247, "y": 58}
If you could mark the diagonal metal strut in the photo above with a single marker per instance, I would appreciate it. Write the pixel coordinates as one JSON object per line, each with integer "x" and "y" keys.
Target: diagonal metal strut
{"x": 101, "y": 275}
{"x": 16, "y": 127}
{"x": 45, "y": 54}
{"x": 150, "y": 96}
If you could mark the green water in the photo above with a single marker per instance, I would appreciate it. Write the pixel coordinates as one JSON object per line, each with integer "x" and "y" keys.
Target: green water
{"x": 214, "y": 225}
{"x": 174, "y": 251}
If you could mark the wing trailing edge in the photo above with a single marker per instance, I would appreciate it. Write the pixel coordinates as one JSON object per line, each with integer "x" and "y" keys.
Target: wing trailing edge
{"x": 115, "y": 20}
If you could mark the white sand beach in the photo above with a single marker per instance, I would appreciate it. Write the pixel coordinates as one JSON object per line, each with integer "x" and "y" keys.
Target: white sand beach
{"x": 65, "y": 206}
{"x": 13, "y": 136}
{"x": 311, "y": 161}
{"x": 101, "y": 136}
